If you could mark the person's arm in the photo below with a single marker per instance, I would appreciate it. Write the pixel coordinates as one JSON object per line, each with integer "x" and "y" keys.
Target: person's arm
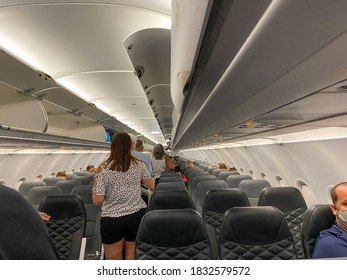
{"x": 97, "y": 199}
{"x": 149, "y": 183}
{"x": 44, "y": 216}
{"x": 169, "y": 163}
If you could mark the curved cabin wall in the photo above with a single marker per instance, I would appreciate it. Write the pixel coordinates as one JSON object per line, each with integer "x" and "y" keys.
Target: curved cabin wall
{"x": 311, "y": 166}
{"x": 36, "y": 166}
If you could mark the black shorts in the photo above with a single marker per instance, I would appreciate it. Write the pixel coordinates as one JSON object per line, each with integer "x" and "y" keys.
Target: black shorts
{"x": 115, "y": 229}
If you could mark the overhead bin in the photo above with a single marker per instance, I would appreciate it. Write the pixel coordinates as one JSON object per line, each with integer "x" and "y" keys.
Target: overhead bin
{"x": 149, "y": 52}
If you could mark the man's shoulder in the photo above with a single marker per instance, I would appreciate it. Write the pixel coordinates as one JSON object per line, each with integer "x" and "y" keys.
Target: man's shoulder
{"x": 140, "y": 155}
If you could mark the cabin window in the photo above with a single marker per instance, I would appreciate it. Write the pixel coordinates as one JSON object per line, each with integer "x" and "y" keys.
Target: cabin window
{"x": 3, "y": 182}
{"x": 251, "y": 173}
{"x": 262, "y": 175}
{"x": 328, "y": 193}
{"x": 53, "y": 174}
{"x": 280, "y": 181}
{"x": 19, "y": 182}
{"x": 241, "y": 171}
{"x": 39, "y": 178}
{"x": 307, "y": 192}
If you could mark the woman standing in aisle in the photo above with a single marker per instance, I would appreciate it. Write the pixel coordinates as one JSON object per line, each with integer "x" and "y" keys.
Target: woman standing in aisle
{"x": 118, "y": 189}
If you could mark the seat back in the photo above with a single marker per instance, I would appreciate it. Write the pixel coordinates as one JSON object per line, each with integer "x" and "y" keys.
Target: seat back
{"x": 177, "y": 234}
{"x": 233, "y": 181}
{"x": 192, "y": 175}
{"x": 170, "y": 179}
{"x": 81, "y": 173}
{"x": 290, "y": 201}
{"x": 51, "y": 181}
{"x": 317, "y": 218}
{"x": 67, "y": 186}
{"x": 169, "y": 173}
{"x": 178, "y": 186}
{"x": 86, "y": 179}
{"x": 84, "y": 192}
{"x": 197, "y": 179}
{"x": 225, "y": 174}
{"x": 255, "y": 233}
{"x": 36, "y": 194}
{"x": 216, "y": 171}
{"x": 203, "y": 188}
{"x": 218, "y": 201}
{"x": 25, "y": 187}
{"x": 23, "y": 235}
{"x": 170, "y": 199}
{"x": 67, "y": 223}
{"x": 71, "y": 176}
{"x": 94, "y": 245}
{"x": 252, "y": 189}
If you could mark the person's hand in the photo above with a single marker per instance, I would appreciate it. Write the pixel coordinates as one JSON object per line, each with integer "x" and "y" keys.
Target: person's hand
{"x": 44, "y": 216}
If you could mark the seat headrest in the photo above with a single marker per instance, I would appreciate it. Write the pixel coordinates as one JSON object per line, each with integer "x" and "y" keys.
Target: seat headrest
{"x": 283, "y": 198}
{"x": 170, "y": 199}
{"x": 256, "y": 225}
{"x": 253, "y": 187}
{"x": 225, "y": 174}
{"x": 233, "y": 181}
{"x": 83, "y": 191}
{"x": 220, "y": 200}
{"x": 172, "y": 228}
{"x": 204, "y": 186}
{"x": 67, "y": 183}
{"x": 36, "y": 194}
{"x": 317, "y": 218}
{"x": 61, "y": 207}
{"x": 170, "y": 186}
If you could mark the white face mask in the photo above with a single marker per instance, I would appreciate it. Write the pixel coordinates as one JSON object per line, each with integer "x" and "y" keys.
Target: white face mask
{"x": 343, "y": 216}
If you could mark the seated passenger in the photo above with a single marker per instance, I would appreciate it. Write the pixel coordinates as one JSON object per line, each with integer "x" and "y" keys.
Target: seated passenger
{"x": 332, "y": 242}
{"x": 221, "y": 165}
{"x": 61, "y": 175}
{"x": 179, "y": 170}
{"x": 90, "y": 169}
{"x": 189, "y": 164}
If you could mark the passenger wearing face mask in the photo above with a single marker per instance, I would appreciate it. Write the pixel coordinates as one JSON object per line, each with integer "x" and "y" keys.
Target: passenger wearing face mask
{"x": 332, "y": 242}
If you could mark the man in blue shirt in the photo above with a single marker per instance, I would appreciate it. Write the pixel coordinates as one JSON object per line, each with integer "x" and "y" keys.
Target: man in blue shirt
{"x": 141, "y": 156}
{"x": 332, "y": 242}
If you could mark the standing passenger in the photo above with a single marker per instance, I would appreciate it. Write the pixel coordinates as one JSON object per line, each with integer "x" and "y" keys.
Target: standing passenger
{"x": 137, "y": 152}
{"x": 160, "y": 161}
{"x": 118, "y": 189}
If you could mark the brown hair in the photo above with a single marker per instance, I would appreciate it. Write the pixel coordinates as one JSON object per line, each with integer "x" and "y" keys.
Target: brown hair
{"x": 333, "y": 194}
{"x": 61, "y": 174}
{"x": 121, "y": 156}
{"x": 221, "y": 165}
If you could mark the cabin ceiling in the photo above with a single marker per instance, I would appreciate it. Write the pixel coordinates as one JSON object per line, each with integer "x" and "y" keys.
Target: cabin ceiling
{"x": 275, "y": 67}
{"x": 81, "y": 64}
{"x": 244, "y": 69}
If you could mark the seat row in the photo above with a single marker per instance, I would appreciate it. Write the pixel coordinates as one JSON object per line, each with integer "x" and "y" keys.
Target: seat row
{"x": 247, "y": 233}
{"x": 289, "y": 200}
{"x": 37, "y": 197}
